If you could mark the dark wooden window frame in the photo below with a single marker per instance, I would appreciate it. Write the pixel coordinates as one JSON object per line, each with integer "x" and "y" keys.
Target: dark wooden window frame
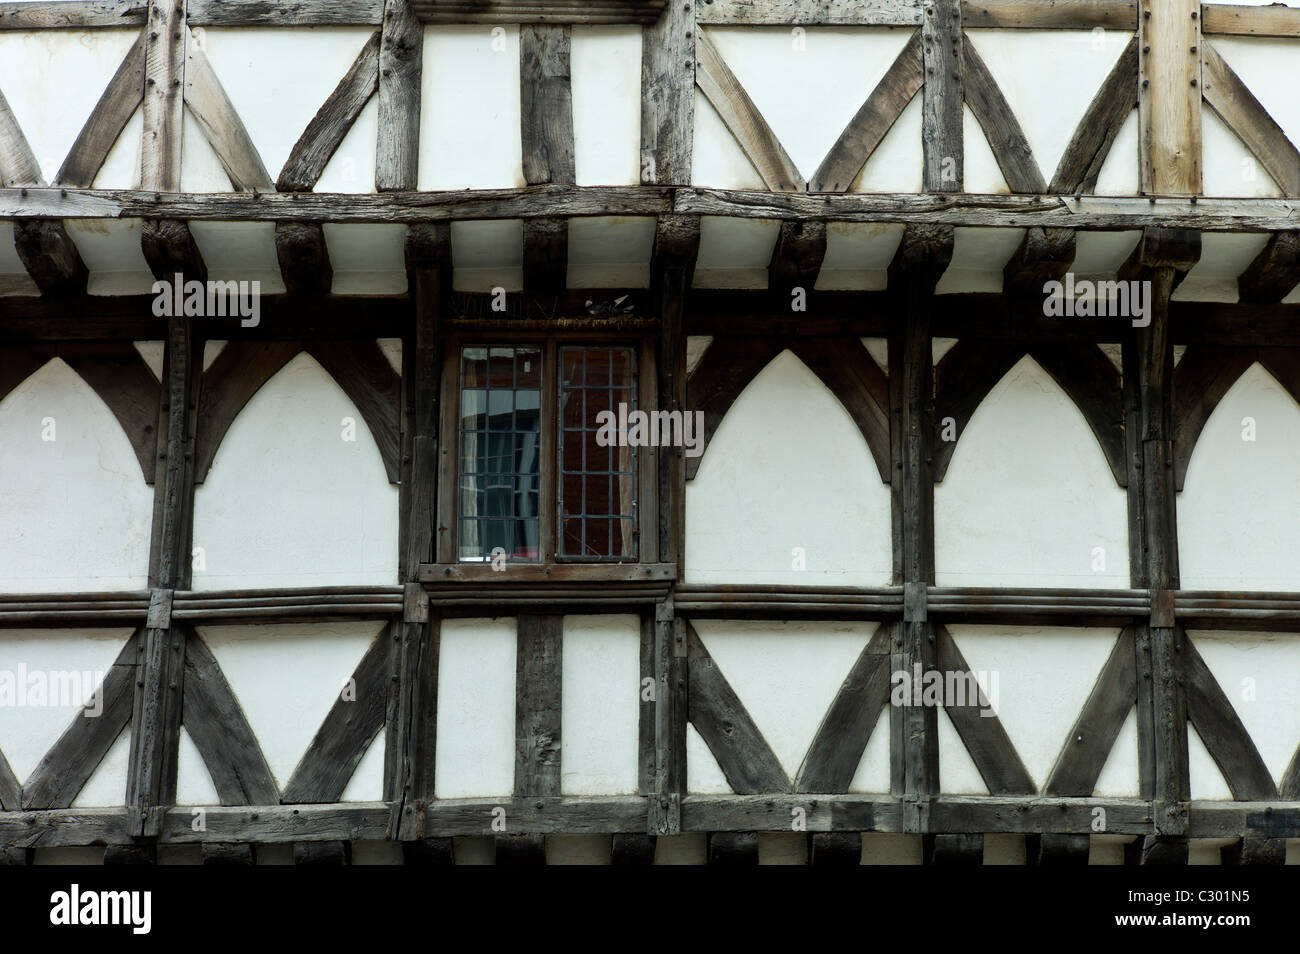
{"x": 447, "y": 550}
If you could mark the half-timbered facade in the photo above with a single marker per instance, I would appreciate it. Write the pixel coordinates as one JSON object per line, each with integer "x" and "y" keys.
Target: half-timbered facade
{"x": 314, "y": 548}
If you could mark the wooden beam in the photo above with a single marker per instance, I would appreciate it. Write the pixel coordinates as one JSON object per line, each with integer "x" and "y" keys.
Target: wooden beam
{"x": 869, "y": 126}
{"x": 170, "y": 249}
{"x": 677, "y": 245}
{"x": 124, "y": 93}
{"x": 1274, "y": 272}
{"x": 1052, "y": 15}
{"x": 1006, "y": 139}
{"x": 401, "y": 56}
{"x": 11, "y": 789}
{"x": 521, "y": 850}
{"x": 1222, "y": 731}
{"x": 228, "y": 855}
{"x": 70, "y": 14}
{"x": 668, "y": 60}
{"x": 118, "y": 374}
{"x": 632, "y": 849}
{"x": 51, "y": 258}
{"x": 64, "y": 770}
{"x": 720, "y": 717}
{"x": 1169, "y": 100}
{"x": 751, "y": 131}
{"x": 332, "y": 122}
{"x": 537, "y": 712}
{"x": 586, "y": 12}
{"x": 1053, "y": 850}
{"x": 164, "y": 96}
{"x": 725, "y": 370}
{"x": 1093, "y": 735}
{"x": 348, "y": 731}
{"x": 546, "y": 254}
{"x": 1201, "y": 380}
{"x": 1272, "y": 20}
{"x": 285, "y": 13}
{"x": 1254, "y": 851}
{"x": 797, "y": 257}
{"x": 1044, "y": 255}
{"x": 847, "y": 369}
{"x": 1247, "y": 117}
{"x": 322, "y": 853}
{"x": 672, "y": 674}
{"x": 803, "y": 13}
{"x": 210, "y": 105}
{"x": 963, "y": 850}
{"x": 942, "y": 97}
{"x": 547, "y": 104}
{"x": 411, "y": 740}
{"x": 367, "y": 378}
{"x": 1086, "y": 153}
{"x": 216, "y": 724}
{"x": 836, "y": 749}
{"x": 237, "y": 373}
{"x": 836, "y": 848}
{"x": 304, "y": 258}
{"x": 733, "y": 849}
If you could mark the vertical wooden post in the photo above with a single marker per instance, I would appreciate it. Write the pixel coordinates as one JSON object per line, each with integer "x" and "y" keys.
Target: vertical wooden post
{"x": 942, "y": 96}
{"x": 411, "y": 738}
{"x": 1161, "y": 258}
{"x": 538, "y": 751}
{"x": 1169, "y": 96}
{"x": 547, "y": 137}
{"x": 401, "y": 57}
{"x": 920, "y": 261}
{"x": 668, "y": 96}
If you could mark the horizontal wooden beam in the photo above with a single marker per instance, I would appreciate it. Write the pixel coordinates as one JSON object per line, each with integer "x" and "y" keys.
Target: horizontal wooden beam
{"x": 809, "y": 13}
{"x": 1233, "y": 20}
{"x": 1050, "y": 14}
{"x": 73, "y": 14}
{"x": 1100, "y": 213}
{"x": 587, "y": 12}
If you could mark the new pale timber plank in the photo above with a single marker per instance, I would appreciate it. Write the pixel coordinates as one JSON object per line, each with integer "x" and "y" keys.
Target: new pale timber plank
{"x": 1169, "y": 100}
{"x": 1238, "y": 107}
{"x": 1232, "y": 19}
{"x": 754, "y": 136}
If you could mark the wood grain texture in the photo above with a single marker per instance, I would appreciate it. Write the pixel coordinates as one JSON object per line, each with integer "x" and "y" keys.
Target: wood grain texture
{"x": 1093, "y": 735}
{"x": 303, "y": 255}
{"x": 836, "y": 749}
{"x": 332, "y": 122}
{"x": 169, "y": 248}
{"x": 1222, "y": 731}
{"x": 729, "y": 365}
{"x": 538, "y": 700}
{"x": 810, "y": 13}
{"x": 353, "y": 722}
{"x": 1274, "y": 272}
{"x": 586, "y": 12}
{"x": 11, "y": 789}
{"x": 117, "y": 373}
{"x": 1169, "y": 101}
{"x": 547, "y": 104}
{"x": 164, "y": 96}
{"x": 372, "y": 385}
{"x": 857, "y": 382}
{"x": 51, "y": 258}
{"x": 215, "y": 722}
{"x": 872, "y": 122}
{"x": 401, "y": 55}
{"x": 751, "y": 131}
{"x": 797, "y": 257}
{"x": 942, "y": 97}
{"x": 1246, "y": 116}
{"x": 1006, "y": 139}
{"x": 124, "y": 93}
{"x": 1201, "y": 380}
{"x": 1051, "y": 14}
{"x": 720, "y": 717}
{"x": 71, "y": 14}
{"x": 1043, "y": 255}
{"x": 546, "y": 254}
{"x": 1086, "y": 153}
{"x": 217, "y": 117}
{"x": 1271, "y": 20}
{"x": 18, "y": 165}
{"x": 285, "y": 13}
{"x": 668, "y": 96}
{"x": 68, "y": 765}
{"x": 237, "y": 373}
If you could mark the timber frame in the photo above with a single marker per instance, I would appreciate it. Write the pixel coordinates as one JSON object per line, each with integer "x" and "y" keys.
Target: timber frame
{"x": 1146, "y": 420}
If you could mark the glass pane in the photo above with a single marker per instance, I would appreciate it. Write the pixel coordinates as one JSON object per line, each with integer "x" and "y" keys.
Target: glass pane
{"x": 500, "y": 444}
{"x": 597, "y": 479}
{"x": 528, "y": 368}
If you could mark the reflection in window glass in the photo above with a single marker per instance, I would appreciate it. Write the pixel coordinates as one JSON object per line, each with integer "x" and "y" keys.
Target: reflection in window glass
{"x": 500, "y": 452}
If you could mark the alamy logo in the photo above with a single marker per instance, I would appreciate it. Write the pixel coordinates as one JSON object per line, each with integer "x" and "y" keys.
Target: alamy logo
{"x": 22, "y": 688}
{"x": 194, "y": 299}
{"x": 952, "y": 688}
{"x": 74, "y": 906}
{"x": 1088, "y": 299}
{"x": 652, "y": 429}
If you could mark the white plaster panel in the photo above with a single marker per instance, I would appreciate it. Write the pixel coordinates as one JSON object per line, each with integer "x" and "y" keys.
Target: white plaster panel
{"x": 487, "y": 254}
{"x": 898, "y": 163}
{"x": 476, "y": 709}
{"x": 1224, "y": 256}
{"x": 1119, "y": 776}
{"x": 610, "y": 251}
{"x": 716, "y": 158}
{"x": 76, "y": 510}
{"x": 152, "y": 354}
{"x": 1267, "y": 66}
{"x": 194, "y": 785}
{"x": 957, "y": 772}
{"x": 783, "y": 71}
{"x": 107, "y": 784}
{"x": 872, "y": 773}
{"x": 121, "y": 168}
{"x": 734, "y": 253}
{"x": 289, "y": 501}
{"x": 858, "y": 255}
{"x": 112, "y": 253}
{"x": 367, "y": 258}
{"x": 1049, "y": 78}
{"x": 578, "y": 849}
{"x": 1028, "y": 495}
{"x": 1228, "y": 167}
{"x": 979, "y": 255}
{"x": 1228, "y": 537}
{"x": 1100, "y": 254}
{"x": 696, "y": 346}
{"x": 352, "y": 167}
{"x": 1257, "y": 672}
{"x": 787, "y": 470}
{"x": 1119, "y": 173}
{"x": 66, "y": 660}
{"x": 240, "y": 251}
{"x": 278, "y": 86}
{"x": 14, "y": 279}
{"x": 601, "y": 704}
{"x": 52, "y": 80}
{"x": 704, "y": 776}
{"x": 605, "y": 75}
{"x": 470, "y": 134}
{"x": 785, "y": 674}
{"x": 1038, "y": 679}
{"x": 286, "y": 677}
{"x": 979, "y": 169}
{"x": 201, "y": 170}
